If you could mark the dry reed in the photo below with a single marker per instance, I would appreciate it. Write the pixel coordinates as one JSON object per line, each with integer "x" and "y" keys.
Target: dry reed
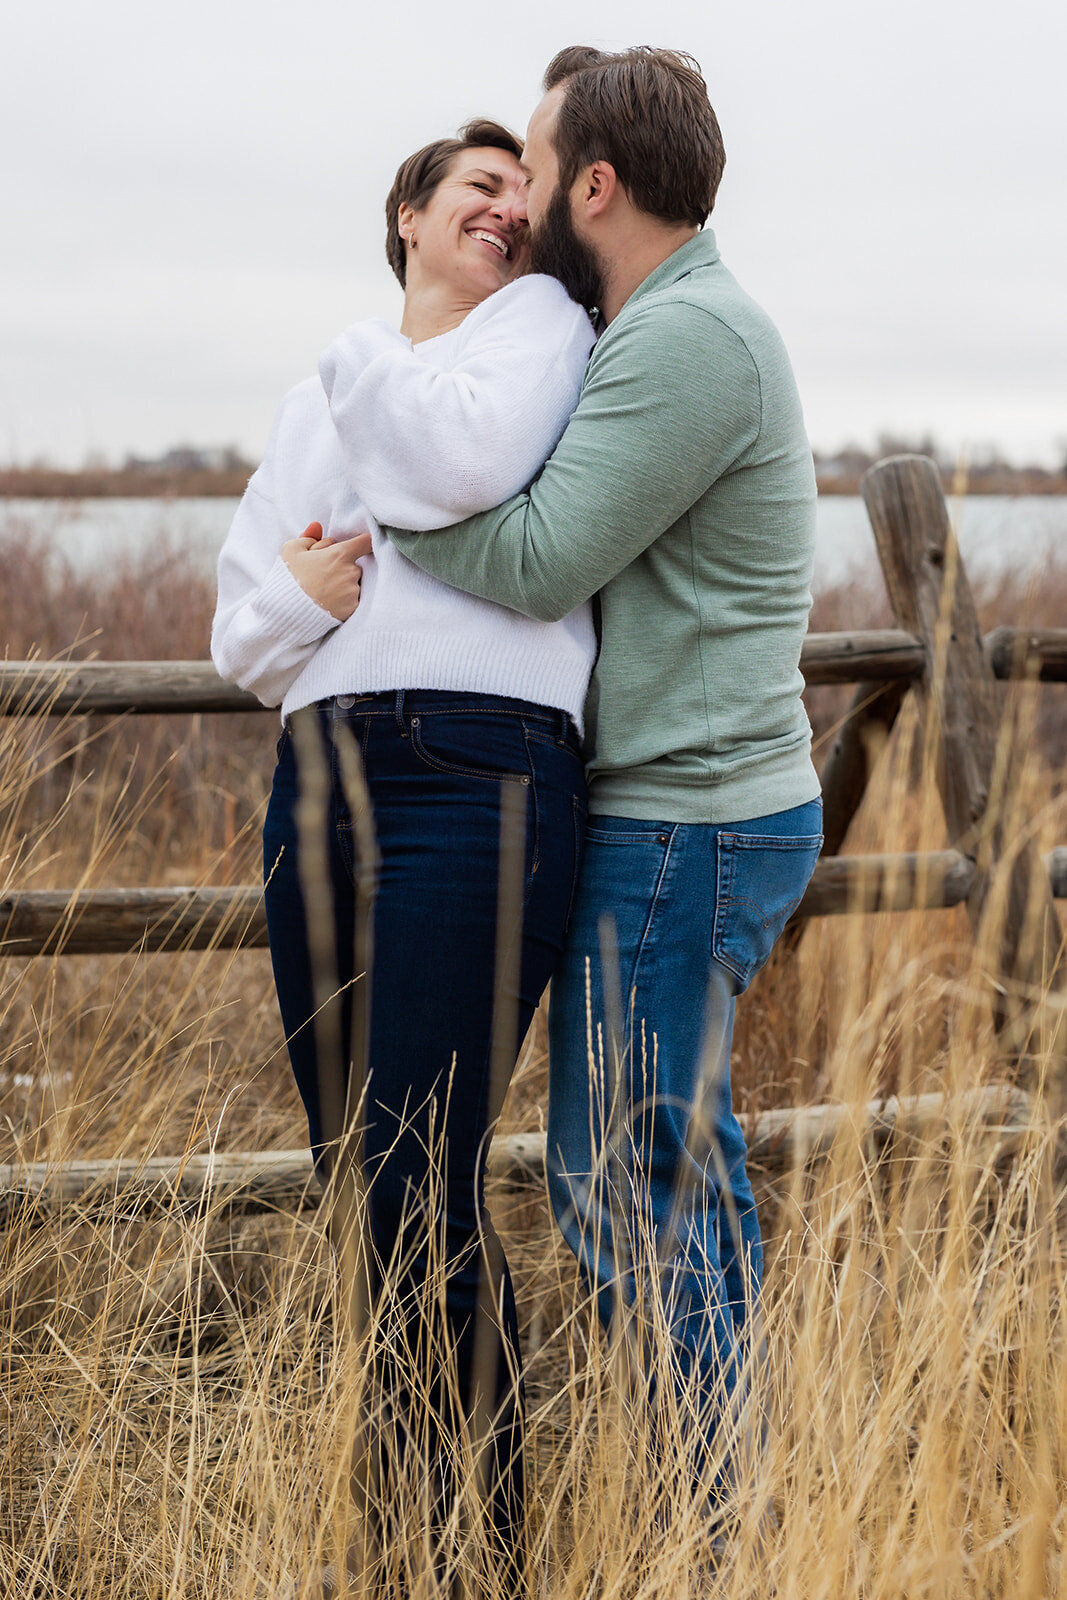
{"x": 179, "y": 1399}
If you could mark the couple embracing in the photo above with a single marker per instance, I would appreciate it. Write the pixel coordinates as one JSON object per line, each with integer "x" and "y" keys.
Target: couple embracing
{"x": 573, "y": 557}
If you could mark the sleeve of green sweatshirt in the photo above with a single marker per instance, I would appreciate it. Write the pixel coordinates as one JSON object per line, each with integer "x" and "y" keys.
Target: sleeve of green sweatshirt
{"x": 671, "y": 401}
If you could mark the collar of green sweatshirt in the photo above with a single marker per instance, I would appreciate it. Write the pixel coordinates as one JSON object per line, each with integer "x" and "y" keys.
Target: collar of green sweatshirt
{"x": 682, "y": 493}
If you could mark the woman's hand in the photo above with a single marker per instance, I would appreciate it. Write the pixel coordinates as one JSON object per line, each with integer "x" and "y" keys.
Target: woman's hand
{"x": 327, "y": 570}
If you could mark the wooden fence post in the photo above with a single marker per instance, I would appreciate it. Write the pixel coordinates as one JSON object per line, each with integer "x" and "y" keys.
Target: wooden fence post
{"x": 917, "y": 550}
{"x": 853, "y": 754}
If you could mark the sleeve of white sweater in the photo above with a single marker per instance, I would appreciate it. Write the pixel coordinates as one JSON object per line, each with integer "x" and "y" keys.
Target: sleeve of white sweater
{"x": 266, "y": 627}
{"x": 426, "y": 442}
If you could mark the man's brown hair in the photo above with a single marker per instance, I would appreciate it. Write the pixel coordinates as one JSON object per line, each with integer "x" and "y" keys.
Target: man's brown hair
{"x": 417, "y": 177}
{"x": 647, "y": 112}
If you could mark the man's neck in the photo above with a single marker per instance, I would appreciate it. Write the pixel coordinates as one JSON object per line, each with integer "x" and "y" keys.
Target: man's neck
{"x": 633, "y": 258}
{"x": 433, "y": 309}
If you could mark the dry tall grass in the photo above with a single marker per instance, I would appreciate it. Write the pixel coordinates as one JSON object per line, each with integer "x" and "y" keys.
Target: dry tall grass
{"x": 179, "y": 1400}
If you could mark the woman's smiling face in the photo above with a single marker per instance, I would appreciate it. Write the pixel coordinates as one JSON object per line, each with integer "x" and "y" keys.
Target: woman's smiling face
{"x": 471, "y": 236}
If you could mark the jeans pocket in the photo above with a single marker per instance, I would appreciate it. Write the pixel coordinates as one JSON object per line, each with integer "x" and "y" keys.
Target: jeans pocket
{"x": 478, "y": 744}
{"x": 760, "y": 881}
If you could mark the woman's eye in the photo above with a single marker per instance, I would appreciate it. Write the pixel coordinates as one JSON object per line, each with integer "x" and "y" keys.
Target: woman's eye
{"x": 484, "y": 187}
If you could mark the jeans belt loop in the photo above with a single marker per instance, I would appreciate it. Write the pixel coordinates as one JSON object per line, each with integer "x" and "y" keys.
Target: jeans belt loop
{"x": 398, "y": 712}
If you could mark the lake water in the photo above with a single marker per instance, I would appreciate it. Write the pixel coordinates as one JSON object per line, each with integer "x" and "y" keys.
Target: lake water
{"x": 997, "y": 534}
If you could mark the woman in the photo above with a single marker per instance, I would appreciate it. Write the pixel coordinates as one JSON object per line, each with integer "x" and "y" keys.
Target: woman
{"x": 449, "y": 699}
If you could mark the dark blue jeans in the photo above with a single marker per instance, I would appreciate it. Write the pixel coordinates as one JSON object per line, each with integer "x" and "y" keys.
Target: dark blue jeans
{"x": 435, "y": 764}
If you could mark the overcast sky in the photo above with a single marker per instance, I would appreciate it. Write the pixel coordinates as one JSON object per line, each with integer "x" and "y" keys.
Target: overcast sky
{"x": 192, "y": 200}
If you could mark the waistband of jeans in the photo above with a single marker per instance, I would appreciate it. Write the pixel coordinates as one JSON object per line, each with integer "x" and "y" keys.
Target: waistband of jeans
{"x": 399, "y": 703}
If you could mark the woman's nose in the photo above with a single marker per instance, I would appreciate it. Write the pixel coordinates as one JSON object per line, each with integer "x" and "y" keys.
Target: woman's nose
{"x": 511, "y": 207}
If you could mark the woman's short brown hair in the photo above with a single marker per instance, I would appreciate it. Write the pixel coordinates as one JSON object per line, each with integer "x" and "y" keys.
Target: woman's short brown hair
{"x": 417, "y": 177}
{"x": 647, "y": 112}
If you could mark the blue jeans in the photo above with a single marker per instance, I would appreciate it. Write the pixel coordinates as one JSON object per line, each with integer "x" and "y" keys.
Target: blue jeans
{"x": 646, "y": 1159}
{"x": 435, "y": 764}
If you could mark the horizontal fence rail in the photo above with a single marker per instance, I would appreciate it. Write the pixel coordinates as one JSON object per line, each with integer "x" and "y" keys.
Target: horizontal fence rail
{"x": 123, "y": 921}
{"x": 880, "y": 655}
{"x": 777, "y": 1140}
{"x": 58, "y": 688}
{"x": 119, "y": 921}
{"x": 1028, "y": 652}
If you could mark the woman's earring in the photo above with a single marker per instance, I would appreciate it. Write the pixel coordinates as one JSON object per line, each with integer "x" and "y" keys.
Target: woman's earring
{"x": 411, "y": 241}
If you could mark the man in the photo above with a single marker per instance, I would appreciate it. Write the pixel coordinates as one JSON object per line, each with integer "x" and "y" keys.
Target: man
{"x": 682, "y": 494}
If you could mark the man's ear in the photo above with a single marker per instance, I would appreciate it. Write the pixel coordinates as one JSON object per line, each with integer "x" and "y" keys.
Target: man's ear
{"x": 600, "y": 188}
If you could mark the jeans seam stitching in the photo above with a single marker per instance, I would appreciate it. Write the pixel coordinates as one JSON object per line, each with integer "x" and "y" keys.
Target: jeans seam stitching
{"x": 626, "y": 839}
{"x": 724, "y": 897}
{"x": 449, "y": 711}
{"x": 763, "y": 841}
{"x": 646, "y": 930}
{"x": 449, "y": 770}
{"x": 533, "y": 786}
{"x": 579, "y": 816}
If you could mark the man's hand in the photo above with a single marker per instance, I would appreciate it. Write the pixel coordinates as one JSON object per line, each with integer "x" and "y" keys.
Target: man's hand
{"x": 327, "y": 569}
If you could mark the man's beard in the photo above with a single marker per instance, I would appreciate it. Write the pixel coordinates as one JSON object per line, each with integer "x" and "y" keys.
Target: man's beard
{"x": 556, "y": 249}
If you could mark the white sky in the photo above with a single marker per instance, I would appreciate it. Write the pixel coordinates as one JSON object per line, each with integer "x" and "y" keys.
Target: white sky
{"x": 192, "y": 199}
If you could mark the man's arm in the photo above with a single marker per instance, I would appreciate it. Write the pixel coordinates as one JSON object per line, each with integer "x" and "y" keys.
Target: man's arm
{"x": 424, "y": 445}
{"x": 670, "y": 403}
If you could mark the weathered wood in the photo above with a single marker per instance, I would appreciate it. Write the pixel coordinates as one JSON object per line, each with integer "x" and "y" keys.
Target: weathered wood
{"x": 257, "y": 1178}
{"x": 884, "y": 654}
{"x": 1038, "y": 653}
{"x": 919, "y": 556}
{"x": 121, "y": 921}
{"x": 790, "y": 1136}
{"x": 114, "y": 687}
{"x": 115, "y": 921}
{"x": 919, "y": 881}
{"x": 860, "y": 740}
{"x": 845, "y": 774}
{"x": 284, "y": 1179}
{"x": 915, "y": 542}
{"x": 57, "y": 688}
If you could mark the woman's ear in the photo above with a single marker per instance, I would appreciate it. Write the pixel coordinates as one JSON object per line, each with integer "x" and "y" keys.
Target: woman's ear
{"x": 405, "y": 221}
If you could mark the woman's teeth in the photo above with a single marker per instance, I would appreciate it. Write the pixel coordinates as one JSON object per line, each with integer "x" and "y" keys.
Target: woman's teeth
{"x": 490, "y": 238}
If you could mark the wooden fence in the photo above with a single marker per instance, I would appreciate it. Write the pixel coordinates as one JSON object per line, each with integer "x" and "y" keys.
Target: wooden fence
{"x": 935, "y": 653}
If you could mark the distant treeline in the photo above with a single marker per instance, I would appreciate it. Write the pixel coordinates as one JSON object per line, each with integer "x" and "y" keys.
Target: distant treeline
{"x": 974, "y": 480}
{"x": 186, "y": 474}
{"x": 985, "y": 471}
{"x": 131, "y": 483}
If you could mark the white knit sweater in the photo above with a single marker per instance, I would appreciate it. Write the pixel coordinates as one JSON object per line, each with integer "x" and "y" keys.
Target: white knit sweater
{"x": 419, "y": 437}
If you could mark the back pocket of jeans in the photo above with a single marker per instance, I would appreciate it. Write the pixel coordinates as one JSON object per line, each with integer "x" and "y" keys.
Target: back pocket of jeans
{"x": 760, "y": 881}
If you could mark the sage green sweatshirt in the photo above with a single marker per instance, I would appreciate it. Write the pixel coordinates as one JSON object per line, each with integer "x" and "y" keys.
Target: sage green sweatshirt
{"x": 683, "y": 493}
